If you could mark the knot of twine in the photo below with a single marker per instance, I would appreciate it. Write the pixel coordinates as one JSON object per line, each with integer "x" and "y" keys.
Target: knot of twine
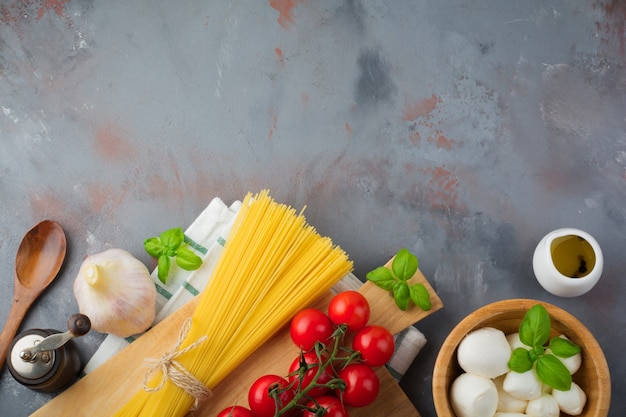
{"x": 177, "y": 373}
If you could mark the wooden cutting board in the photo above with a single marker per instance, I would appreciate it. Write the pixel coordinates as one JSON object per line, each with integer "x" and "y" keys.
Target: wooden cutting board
{"x": 111, "y": 385}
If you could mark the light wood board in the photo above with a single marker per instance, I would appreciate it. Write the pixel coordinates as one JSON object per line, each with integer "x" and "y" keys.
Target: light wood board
{"x": 111, "y": 385}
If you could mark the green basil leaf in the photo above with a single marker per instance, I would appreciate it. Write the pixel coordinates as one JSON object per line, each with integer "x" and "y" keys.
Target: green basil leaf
{"x": 563, "y": 348}
{"x": 382, "y": 277}
{"x": 520, "y": 360}
{"x": 163, "y": 268}
{"x": 154, "y": 247}
{"x": 534, "y": 330}
{"x": 188, "y": 260}
{"x": 401, "y": 295}
{"x": 404, "y": 264}
{"x": 536, "y": 352}
{"x": 173, "y": 238}
{"x": 551, "y": 371}
{"x": 420, "y": 296}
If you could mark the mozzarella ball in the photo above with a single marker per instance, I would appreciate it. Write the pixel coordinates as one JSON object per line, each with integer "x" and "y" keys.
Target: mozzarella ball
{"x": 515, "y": 342}
{"x": 544, "y": 406}
{"x": 523, "y": 386}
{"x": 572, "y": 363}
{"x": 473, "y": 396}
{"x": 484, "y": 352}
{"x": 510, "y": 414}
{"x": 572, "y": 401}
{"x": 506, "y": 402}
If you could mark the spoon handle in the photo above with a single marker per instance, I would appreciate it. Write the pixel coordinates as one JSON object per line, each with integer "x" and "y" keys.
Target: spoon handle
{"x": 16, "y": 315}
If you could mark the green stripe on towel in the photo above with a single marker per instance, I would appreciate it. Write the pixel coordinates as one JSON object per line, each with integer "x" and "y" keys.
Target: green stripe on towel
{"x": 165, "y": 293}
{"x": 193, "y": 290}
{"x": 195, "y": 245}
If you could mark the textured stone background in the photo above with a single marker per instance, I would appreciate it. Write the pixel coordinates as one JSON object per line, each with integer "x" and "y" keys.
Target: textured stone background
{"x": 463, "y": 132}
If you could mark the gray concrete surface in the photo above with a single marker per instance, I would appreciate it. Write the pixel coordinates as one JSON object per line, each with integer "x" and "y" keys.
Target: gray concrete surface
{"x": 464, "y": 131}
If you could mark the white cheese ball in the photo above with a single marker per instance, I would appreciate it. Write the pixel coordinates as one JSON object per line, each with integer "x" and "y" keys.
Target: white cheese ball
{"x": 484, "y": 352}
{"x": 510, "y": 415}
{"x": 506, "y": 402}
{"x": 523, "y": 386}
{"x": 572, "y": 363}
{"x": 544, "y": 406}
{"x": 572, "y": 401}
{"x": 515, "y": 342}
{"x": 473, "y": 396}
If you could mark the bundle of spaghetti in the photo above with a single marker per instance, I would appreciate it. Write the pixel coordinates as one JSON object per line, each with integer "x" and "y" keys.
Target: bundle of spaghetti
{"x": 273, "y": 265}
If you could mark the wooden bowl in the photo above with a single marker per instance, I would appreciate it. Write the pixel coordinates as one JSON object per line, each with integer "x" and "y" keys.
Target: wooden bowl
{"x": 593, "y": 375}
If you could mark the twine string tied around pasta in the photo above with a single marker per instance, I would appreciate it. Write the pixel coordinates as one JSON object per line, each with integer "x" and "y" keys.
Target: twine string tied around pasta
{"x": 175, "y": 372}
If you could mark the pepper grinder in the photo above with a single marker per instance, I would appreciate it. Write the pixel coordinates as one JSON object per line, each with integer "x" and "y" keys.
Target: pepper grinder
{"x": 46, "y": 360}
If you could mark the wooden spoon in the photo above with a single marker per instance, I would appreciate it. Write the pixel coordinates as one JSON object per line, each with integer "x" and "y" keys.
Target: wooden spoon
{"x": 37, "y": 263}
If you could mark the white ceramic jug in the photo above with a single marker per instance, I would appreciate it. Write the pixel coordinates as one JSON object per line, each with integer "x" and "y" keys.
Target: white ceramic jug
{"x": 568, "y": 262}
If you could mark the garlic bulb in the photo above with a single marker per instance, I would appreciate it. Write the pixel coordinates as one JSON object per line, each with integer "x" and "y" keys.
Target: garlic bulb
{"x": 115, "y": 291}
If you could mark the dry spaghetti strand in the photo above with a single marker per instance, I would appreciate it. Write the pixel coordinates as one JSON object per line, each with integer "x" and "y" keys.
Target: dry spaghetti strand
{"x": 273, "y": 264}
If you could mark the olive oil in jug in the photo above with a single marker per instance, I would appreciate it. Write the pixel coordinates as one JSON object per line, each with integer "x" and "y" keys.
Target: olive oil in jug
{"x": 573, "y": 256}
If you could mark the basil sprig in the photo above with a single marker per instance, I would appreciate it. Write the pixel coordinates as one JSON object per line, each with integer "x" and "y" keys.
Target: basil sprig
{"x": 403, "y": 267}
{"x": 534, "y": 332}
{"x": 171, "y": 244}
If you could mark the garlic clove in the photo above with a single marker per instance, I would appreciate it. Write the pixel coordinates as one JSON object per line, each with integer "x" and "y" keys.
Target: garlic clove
{"x": 116, "y": 292}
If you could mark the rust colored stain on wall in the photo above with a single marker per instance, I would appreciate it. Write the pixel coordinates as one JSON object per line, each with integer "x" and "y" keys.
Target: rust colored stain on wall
{"x": 285, "y": 11}
{"x": 281, "y": 58}
{"x": 274, "y": 125}
{"x": 421, "y": 113}
{"x": 47, "y": 204}
{"x": 54, "y": 5}
{"x": 111, "y": 144}
{"x": 443, "y": 188}
{"x": 11, "y": 14}
{"x": 419, "y": 109}
{"x": 613, "y": 23}
{"x": 441, "y": 141}
{"x": 103, "y": 196}
{"x": 415, "y": 137}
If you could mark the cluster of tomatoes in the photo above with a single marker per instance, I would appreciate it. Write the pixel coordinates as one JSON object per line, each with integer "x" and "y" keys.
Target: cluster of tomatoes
{"x": 335, "y": 369}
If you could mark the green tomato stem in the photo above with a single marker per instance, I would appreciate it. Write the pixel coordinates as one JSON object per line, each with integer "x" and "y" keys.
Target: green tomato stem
{"x": 334, "y": 348}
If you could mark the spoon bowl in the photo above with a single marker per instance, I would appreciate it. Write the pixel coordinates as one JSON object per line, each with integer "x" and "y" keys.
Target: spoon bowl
{"x": 38, "y": 261}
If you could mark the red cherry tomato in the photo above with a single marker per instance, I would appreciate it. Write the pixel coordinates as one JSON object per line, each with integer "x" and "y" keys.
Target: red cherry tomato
{"x": 235, "y": 411}
{"x": 330, "y": 403}
{"x": 310, "y": 358}
{"x": 259, "y": 400}
{"x": 375, "y": 343}
{"x": 351, "y": 308}
{"x": 362, "y": 385}
{"x": 309, "y": 326}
